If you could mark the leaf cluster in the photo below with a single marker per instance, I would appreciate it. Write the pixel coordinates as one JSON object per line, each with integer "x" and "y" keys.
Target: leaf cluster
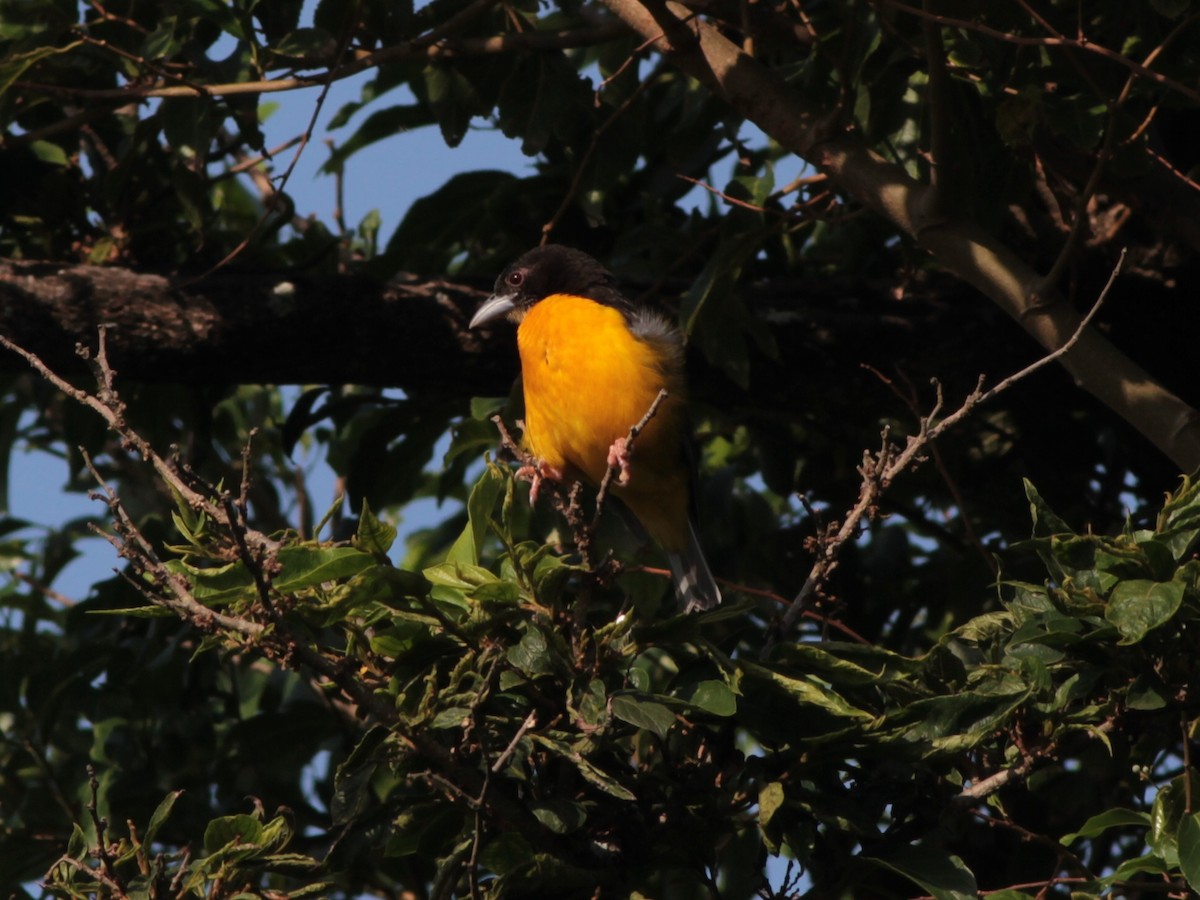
{"x": 535, "y": 728}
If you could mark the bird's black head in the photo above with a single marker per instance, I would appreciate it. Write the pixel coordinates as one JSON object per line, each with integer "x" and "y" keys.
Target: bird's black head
{"x": 552, "y": 269}
{"x": 545, "y": 271}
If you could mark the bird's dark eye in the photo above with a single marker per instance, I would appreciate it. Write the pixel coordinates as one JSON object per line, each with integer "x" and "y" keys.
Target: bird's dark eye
{"x": 515, "y": 279}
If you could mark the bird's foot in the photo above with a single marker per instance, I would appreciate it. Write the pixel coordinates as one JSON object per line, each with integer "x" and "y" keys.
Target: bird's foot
{"x": 535, "y": 475}
{"x": 618, "y": 459}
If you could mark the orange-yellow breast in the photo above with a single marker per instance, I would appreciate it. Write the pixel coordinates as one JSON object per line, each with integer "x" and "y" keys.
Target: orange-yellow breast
{"x": 588, "y": 379}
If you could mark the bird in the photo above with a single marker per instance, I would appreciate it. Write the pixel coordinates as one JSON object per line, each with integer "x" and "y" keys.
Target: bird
{"x": 593, "y": 364}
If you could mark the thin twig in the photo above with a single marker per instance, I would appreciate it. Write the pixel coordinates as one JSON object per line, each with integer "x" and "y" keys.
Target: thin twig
{"x": 409, "y": 50}
{"x": 502, "y": 759}
{"x": 1023, "y": 41}
{"x": 107, "y": 863}
{"x": 305, "y": 137}
{"x": 880, "y": 468}
{"x": 614, "y": 471}
{"x": 45, "y": 590}
{"x": 985, "y": 787}
{"x": 108, "y": 406}
{"x": 935, "y": 202}
{"x": 577, "y": 179}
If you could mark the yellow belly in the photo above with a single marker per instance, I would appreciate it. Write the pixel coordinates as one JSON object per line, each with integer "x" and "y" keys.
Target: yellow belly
{"x": 587, "y": 381}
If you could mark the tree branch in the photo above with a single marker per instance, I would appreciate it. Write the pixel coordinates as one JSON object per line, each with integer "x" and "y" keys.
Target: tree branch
{"x": 962, "y": 246}
{"x": 881, "y": 468}
{"x": 503, "y": 43}
{"x": 272, "y": 329}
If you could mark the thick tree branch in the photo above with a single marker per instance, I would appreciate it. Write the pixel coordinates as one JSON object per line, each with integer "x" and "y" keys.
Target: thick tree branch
{"x": 246, "y": 329}
{"x": 260, "y": 328}
{"x": 962, "y": 246}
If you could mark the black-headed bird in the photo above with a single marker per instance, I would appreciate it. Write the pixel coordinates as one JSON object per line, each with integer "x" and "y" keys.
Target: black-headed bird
{"x": 593, "y": 365}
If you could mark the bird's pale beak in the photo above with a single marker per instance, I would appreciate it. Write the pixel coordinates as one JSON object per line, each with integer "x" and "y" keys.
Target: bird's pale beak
{"x": 493, "y": 307}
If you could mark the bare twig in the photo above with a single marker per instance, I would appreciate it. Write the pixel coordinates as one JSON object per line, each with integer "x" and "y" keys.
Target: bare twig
{"x": 985, "y": 787}
{"x": 107, "y": 863}
{"x": 361, "y": 61}
{"x": 1052, "y": 41}
{"x": 910, "y": 399}
{"x": 45, "y": 590}
{"x": 880, "y": 468}
{"x": 585, "y": 161}
{"x": 107, "y": 404}
{"x": 614, "y": 471}
{"x": 305, "y": 137}
{"x": 245, "y": 165}
{"x": 940, "y": 155}
{"x": 502, "y": 759}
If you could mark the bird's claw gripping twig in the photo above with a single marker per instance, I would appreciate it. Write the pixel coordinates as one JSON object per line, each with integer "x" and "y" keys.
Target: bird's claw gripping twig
{"x": 535, "y": 474}
{"x": 618, "y": 460}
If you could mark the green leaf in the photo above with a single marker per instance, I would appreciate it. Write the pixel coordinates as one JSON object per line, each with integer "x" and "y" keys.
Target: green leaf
{"x": 483, "y": 408}
{"x": 560, "y": 816}
{"x": 232, "y": 831}
{"x": 1077, "y": 117}
{"x": 808, "y": 691}
{"x": 450, "y": 718}
{"x": 1150, "y": 864}
{"x": 1045, "y": 521}
{"x": 1144, "y": 694}
{"x": 304, "y": 567}
{"x": 958, "y": 721}
{"x": 49, "y": 153}
{"x": 1139, "y": 606}
{"x": 480, "y": 504}
{"x": 307, "y": 43}
{"x": 1110, "y": 818}
{"x": 381, "y": 124}
{"x": 591, "y": 773}
{"x": 1166, "y": 813}
{"x": 216, "y": 586}
{"x": 435, "y": 224}
{"x": 136, "y": 612}
{"x": 453, "y": 100}
{"x": 851, "y": 664}
{"x": 540, "y": 99}
{"x": 639, "y": 711}
{"x": 159, "y": 817}
{"x": 1172, "y": 9}
{"x": 1179, "y": 521}
{"x": 508, "y": 852}
{"x": 373, "y": 536}
{"x": 77, "y": 844}
{"x": 463, "y": 576}
{"x": 770, "y": 799}
{"x": 191, "y": 190}
{"x": 532, "y": 654}
{"x": 1188, "y": 840}
{"x": 711, "y": 696}
{"x": 352, "y": 778}
{"x": 724, "y": 333}
{"x": 940, "y": 874}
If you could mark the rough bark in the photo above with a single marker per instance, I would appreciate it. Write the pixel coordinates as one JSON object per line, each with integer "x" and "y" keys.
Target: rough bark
{"x": 412, "y": 333}
{"x": 252, "y": 329}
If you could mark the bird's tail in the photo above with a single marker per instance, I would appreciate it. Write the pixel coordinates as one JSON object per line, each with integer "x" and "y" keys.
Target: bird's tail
{"x": 694, "y": 582}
